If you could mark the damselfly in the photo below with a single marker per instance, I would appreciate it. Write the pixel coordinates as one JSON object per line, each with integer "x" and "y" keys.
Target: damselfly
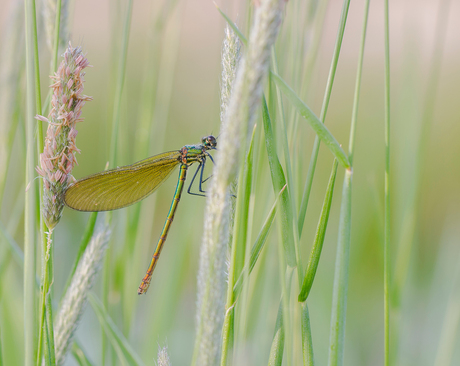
{"x": 123, "y": 186}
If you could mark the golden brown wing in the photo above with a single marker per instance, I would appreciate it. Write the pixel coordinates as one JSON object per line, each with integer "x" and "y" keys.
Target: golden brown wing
{"x": 121, "y": 187}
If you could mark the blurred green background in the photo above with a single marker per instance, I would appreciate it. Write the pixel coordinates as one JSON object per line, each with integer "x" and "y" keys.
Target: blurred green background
{"x": 172, "y": 81}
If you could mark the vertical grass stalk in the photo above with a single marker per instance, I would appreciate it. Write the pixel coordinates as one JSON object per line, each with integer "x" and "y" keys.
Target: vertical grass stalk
{"x": 322, "y": 117}
{"x": 113, "y": 148}
{"x": 239, "y": 119}
{"x": 30, "y": 319}
{"x": 340, "y": 291}
{"x": 230, "y": 58}
{"x": 57, "y": 161}
{"x": 386, "y": 247}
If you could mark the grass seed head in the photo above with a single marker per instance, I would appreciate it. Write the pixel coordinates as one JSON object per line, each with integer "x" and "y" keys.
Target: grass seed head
{"x": 58, "y": 157}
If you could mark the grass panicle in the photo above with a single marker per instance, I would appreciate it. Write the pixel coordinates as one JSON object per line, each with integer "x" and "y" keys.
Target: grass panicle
{"x": 238, "y": 121}
{"x": 231, "y": 56}
{"x": 58, "y": 157}
{"x": 75, "y": 298}
{"x": 163, "y": 357}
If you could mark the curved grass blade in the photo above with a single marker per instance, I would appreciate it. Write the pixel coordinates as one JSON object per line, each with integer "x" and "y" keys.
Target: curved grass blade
{"x": 89, "y": 230}
{"x": 277, "y": 347}
{"x": 115, "y": 336}
{"x": 259, "y": 244}
{"x": 279, "y": 181}
{"x": 233, "y": 26}
{"x": 319, "y": 237}
{"x": 307, "y": 342}
{"x": 121, "y": 187}
{"x": 80, "y": 356}
{"x": 320, "y": 129}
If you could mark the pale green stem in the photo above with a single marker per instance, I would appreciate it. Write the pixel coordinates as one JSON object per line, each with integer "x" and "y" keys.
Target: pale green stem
{"x": 386, "y": 248}
{"x": 327, "y": 96}
{"x": 30, "y": 321}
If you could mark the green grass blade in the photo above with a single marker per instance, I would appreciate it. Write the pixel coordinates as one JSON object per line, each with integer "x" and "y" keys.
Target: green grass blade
{"x": 259, "y": 243}
{"x": 120, "y": 75}
{"x": 340, "y": 290}
{"x": 451, "y": 324}
{"x": 120, "y": 344}
{"x": 287, "y": 163}
{"x": 1, "y": 346}
{"x": 233, "y": 26}
{"x": 57, "y": 29}
{"x": 89, "y": 230}
{"x": 322, "y": 117}
{"x": 119, "y": 87}
{"x": 319, "y": 237}
{"x": 238, "y": 243}
{"x": 79, "y": 355}
{"x": 320, "y": 129}
{"x": 277, "y": 347}
{"x": 18, "y": 255}
{"x": 307, "y": 342}
{"x": 279, "y": 181}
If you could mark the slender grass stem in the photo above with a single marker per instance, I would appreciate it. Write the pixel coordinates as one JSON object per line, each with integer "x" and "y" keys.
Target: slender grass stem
{"x": 57, "y": 28}
{"x": 119, "y": 87}
{"x": 387, "y": 239}
{"x": 340, "y": 291}
{"x": 307, "y": 343}
{"x": 30, "y": 320}
{"x": 322, "y": 117}
{"x": 411, "y": 216}
{"x": 113, "y": 148}
{"x": 46, "y": 308}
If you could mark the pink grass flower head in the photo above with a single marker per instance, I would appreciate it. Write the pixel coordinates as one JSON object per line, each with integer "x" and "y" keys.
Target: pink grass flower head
{"x": 58, "y": 157}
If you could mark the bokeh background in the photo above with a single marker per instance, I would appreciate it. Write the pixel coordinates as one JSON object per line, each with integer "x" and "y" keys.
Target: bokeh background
{"x": 172, "y": 81}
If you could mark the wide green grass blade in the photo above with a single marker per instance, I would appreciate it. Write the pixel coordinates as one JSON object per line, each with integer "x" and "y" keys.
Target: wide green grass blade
{"x": 118, "y": 341}
{"x": 320, "y": 129}
{"x": 279, "y": 181}
{"x": 319, "y": 237}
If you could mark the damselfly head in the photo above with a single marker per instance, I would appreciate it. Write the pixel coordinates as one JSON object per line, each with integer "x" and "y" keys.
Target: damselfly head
{"x": 209, "y": 142}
